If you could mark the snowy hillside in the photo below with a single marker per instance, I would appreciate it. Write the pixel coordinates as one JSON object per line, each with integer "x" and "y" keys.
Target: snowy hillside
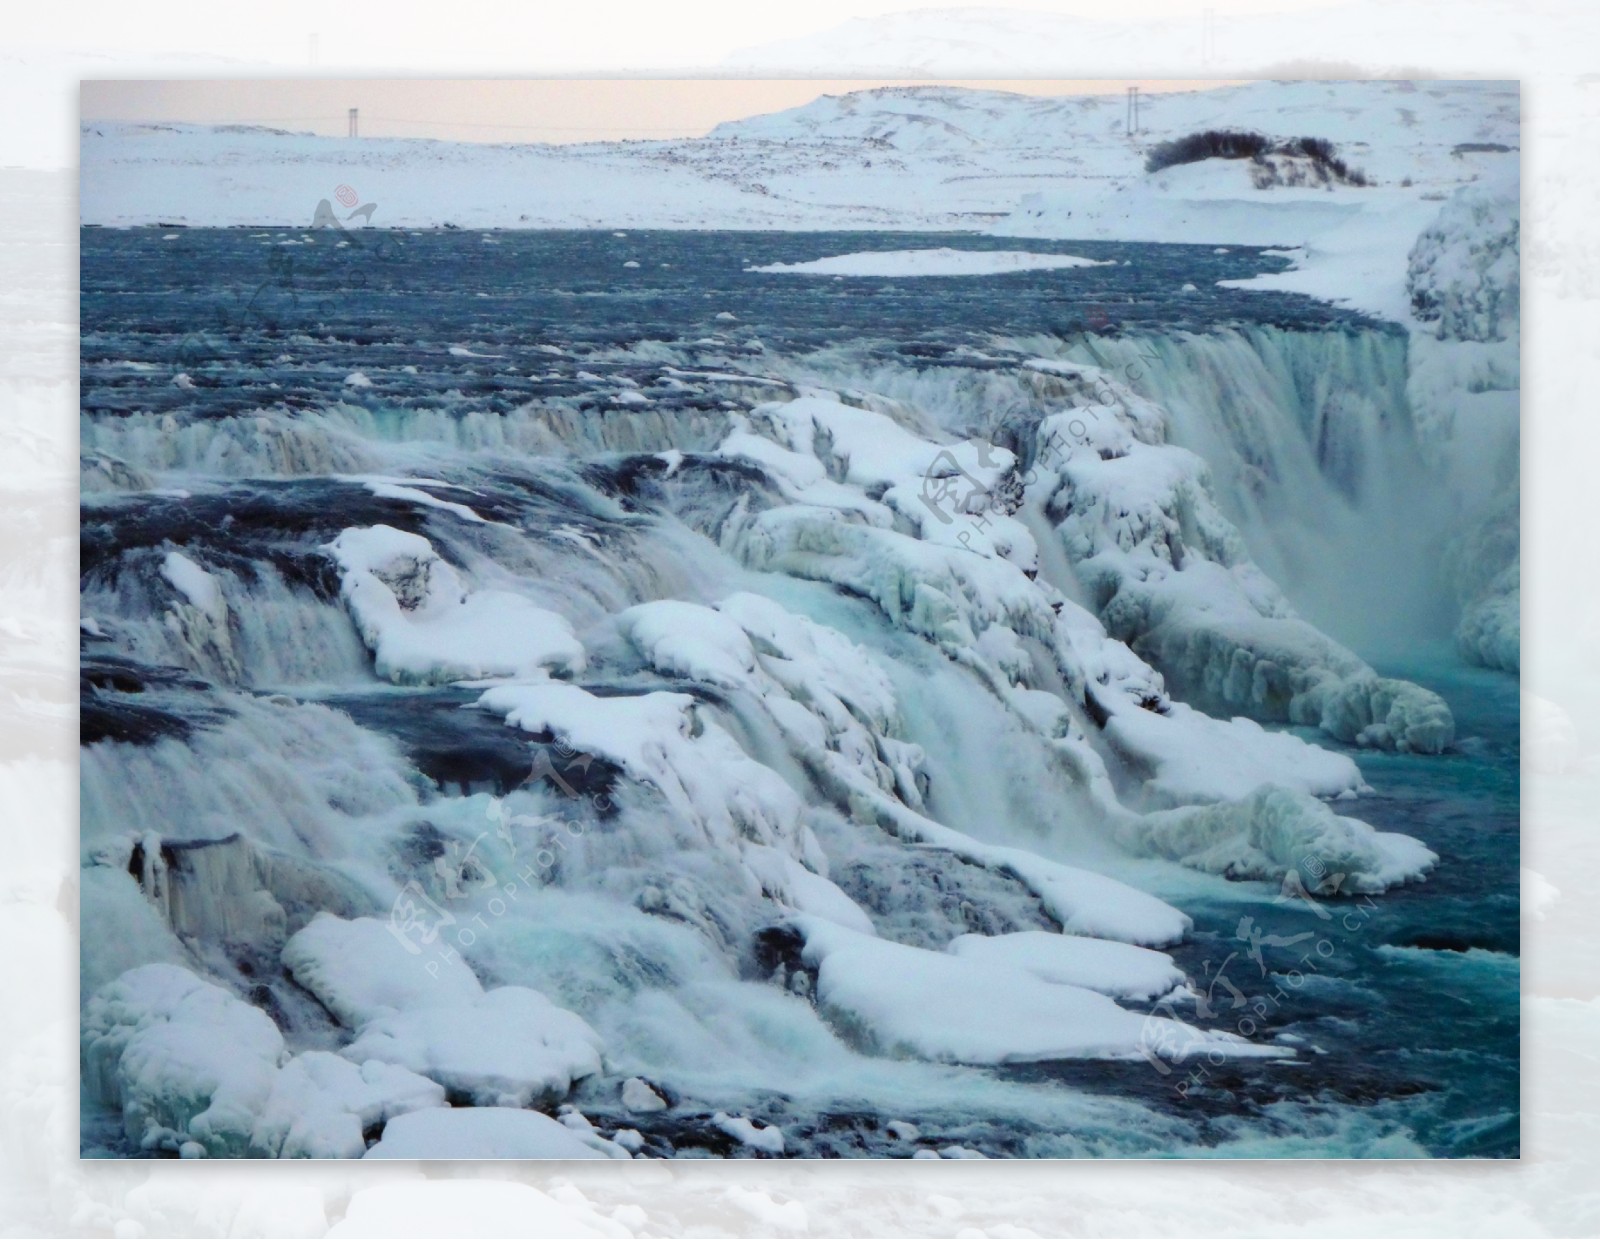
{"x": 911, "y": 158}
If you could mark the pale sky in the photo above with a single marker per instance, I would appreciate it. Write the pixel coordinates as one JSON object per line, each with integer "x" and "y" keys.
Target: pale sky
{"x": 545, "y": 110}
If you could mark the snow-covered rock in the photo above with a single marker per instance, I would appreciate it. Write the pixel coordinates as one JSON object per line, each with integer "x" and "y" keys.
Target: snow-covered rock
{"x": 322, "y": 1105}
{"x": 181, "y": 1059}
{"x": 766, "y": 1139}
{"x": 430, "y": 1014}
{"x": 424, "y": 625}
{"x": 639, "y": 1097}
{"x": 664, "y": 740}
{"x": 1464, "y": 273}
{"x": 362, "y": 969}
{"x": 1173, "y": 579}
{"x": 510, "y": 1047}
{"x": 1464, "y": 278}
{"x": 974, "y": 1009}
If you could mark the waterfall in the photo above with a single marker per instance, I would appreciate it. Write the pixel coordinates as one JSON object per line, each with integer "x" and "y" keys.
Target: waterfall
{"x": 681, "y": 699}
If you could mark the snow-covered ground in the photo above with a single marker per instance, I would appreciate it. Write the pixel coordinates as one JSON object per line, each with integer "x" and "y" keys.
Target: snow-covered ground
{"x": 939, "y": 261}
{"x": 898, "y": 158}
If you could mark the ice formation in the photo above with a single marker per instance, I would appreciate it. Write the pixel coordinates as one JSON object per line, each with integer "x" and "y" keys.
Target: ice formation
{"x": 185, "y": 1062}
{"x": 1464, "y": 277}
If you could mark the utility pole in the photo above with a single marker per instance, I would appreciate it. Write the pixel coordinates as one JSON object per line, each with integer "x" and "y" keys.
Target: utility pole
{"x": 354, "y": 123}
{"x": 1133, "y": 110}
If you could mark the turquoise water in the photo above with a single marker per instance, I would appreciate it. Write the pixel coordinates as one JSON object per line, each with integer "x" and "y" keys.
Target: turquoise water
{"x": 1404, "y": 1006}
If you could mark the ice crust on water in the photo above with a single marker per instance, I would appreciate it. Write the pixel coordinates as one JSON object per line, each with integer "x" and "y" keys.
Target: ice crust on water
{"x": 425, "y": 626}
{"x": 1273, "y": 833}
{"x": 941, "y": 261}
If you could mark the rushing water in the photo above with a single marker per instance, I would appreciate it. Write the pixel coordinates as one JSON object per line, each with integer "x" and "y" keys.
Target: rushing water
{"x": 232, "y": 378}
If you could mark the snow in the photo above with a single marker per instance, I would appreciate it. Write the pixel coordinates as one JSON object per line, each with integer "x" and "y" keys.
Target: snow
{"x": 483, "y": 1132}
{"x": 509, "y": 1047}
{"x": 929, "y": 157}
{"x": 942, "y": 261}
{"x": 640, "y": 1098}
{"x": 1082, "y": 901}
{"x": 199, "y": 587}
{"x": 425, "y": 626}
{"x": 411, "y": 490}
{"x": 767, "y": 1139}
{"x": 1118, "y": 970}
{"x": 688, "y": 640}
{"x": 362, "y": 969}
{"x": 964, "y": 1009}
{"x": 429, "y": 1014}
{"x": 664, "y": 740}
{"x": 321, "y": 1106}
{"x": 180, "y": 1059}
{"x": 1192, "y": 757}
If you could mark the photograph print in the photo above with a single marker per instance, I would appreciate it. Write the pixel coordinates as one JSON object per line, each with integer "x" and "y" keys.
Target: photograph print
{"x": 779, "y": 619}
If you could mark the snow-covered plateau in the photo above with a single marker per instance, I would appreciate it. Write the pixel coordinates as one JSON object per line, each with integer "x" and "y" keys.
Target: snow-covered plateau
{"x": 634, "y": 651}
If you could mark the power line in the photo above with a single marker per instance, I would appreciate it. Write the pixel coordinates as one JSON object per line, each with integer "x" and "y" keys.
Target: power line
{"x": 437, "y": 124}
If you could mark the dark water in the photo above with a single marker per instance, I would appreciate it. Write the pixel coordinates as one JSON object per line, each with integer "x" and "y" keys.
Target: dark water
{"x": 256, "y": 322}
